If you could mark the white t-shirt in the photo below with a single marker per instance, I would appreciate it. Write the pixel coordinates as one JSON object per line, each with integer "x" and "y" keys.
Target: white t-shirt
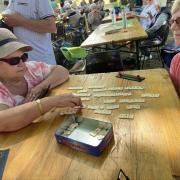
{"x": 41, "y": 42}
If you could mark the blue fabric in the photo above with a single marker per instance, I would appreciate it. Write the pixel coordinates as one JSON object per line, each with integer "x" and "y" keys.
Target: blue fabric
{"x": 172, "y": 46}
{"x": 168, "y": 52}
{"x": 3, "y": 159}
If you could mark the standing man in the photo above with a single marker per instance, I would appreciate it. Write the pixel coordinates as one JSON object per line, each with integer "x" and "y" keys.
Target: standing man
{"x": 32, "y": 22}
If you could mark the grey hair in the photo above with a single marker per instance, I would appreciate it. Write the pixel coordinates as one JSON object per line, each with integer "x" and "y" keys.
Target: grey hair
{"x": 93, "y": 6}
{"x": 175, "y": 6}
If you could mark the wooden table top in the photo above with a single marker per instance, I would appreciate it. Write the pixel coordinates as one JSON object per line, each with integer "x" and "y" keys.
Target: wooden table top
{"x": 147, "y": 147}
{"x": 98, "y": 36}
{"x": 119, "y": 17}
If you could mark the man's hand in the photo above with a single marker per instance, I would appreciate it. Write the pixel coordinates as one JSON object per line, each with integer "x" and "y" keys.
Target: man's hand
{"x": 14, "y": 19}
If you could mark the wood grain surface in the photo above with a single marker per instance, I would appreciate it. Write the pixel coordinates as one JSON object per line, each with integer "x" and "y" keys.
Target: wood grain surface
{"x": 147, "y": 147}
{"x": 119, "y": 17}
{"x": 98, "y": 36}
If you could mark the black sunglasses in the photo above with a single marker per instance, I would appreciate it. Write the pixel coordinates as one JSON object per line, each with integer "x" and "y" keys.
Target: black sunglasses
{"x": 15, "y": 60}
{"x": 177, "y": 21}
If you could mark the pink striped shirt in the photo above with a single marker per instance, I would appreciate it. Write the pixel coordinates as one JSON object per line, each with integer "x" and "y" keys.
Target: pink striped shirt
{"x": 175, "y": 72}
{"x": 36, "y": 73}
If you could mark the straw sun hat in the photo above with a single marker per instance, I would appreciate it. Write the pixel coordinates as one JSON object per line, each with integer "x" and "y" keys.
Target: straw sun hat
{"x": 10, "y": 44}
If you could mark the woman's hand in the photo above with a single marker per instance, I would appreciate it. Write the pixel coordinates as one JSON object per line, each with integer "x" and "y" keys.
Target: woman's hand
{"x": 67, "y": 100}
{"x": 35, "y": 93}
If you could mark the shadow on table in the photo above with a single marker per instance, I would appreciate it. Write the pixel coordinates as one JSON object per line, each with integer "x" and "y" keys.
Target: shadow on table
{"x": 82, "y": 157}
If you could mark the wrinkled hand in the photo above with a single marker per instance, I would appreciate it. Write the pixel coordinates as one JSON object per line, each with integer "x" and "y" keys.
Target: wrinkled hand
{"x": 67, "y": 100}
{"x": 14, "y": 19}
{"x": 34, "y": 93}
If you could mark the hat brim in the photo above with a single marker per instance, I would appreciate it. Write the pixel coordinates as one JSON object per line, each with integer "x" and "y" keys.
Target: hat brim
{"x": 11, "y": 47}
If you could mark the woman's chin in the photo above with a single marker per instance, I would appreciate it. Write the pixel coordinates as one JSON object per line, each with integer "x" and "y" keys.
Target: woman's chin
{"x": 177, "y": 42}
{"x": 20, "y": 73}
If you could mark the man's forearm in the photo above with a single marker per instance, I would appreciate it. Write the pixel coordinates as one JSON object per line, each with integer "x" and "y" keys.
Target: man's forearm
{"x": 40, "y": 26}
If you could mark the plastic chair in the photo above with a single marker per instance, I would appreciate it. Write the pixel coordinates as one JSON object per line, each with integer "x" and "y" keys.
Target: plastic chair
{"x": 76, "y": 55}
{"x": 77, "y": 34}
{"x": 154, "y": 44}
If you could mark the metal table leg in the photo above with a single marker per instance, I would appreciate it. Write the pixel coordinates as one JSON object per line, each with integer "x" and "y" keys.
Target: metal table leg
{"x": 137, "y": 55}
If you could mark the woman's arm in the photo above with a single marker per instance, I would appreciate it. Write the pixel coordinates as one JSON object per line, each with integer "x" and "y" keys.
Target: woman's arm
{"x": 15, "y": 118}
{"x": 57, "y": 76}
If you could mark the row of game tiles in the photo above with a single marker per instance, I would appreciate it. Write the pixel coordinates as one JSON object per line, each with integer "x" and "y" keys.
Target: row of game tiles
{"x": 126, "y": 100}
{"x": 99, "y": 109}
{"x": 86, "y": 96}
{"x": 103, "y": 88}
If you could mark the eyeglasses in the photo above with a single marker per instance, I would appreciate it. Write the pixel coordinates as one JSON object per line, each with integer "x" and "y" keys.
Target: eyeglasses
{"x": 177, "y": 21}
{"x": 15, "y": 60}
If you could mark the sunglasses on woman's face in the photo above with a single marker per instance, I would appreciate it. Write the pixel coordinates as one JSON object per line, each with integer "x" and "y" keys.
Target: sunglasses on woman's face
{"x": 16, "y": 60}
{"x": 177, "y": 21}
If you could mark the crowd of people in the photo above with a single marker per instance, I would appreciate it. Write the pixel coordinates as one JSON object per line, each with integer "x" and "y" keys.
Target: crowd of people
{"x": 22, "y": 82}
{"x": 93, "y": 10}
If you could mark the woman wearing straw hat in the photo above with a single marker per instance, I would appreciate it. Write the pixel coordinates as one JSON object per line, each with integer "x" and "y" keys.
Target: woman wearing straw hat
{"x": 21, "y": 83}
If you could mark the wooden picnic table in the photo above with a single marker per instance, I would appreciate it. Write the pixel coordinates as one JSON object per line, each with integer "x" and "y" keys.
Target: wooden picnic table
{"x": 133, "y": 32}
{"x": 146, "y": 147}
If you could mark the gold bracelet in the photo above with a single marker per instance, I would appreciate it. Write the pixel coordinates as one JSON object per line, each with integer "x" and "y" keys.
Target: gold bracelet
{"x": 38, "y": 102}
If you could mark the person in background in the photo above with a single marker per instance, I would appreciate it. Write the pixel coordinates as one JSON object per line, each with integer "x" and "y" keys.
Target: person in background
{"x": 94, "y": 17}
{"x": 83, "y": 3}
{"x": 32, "y": 22}
{"x": 22, "y": 82}
{"x": 61, "y": 2}
{"x": 163, "y": 15}
{"x": 74, "y": 5}
{"x": 175, "y": 27}
{"x": 72, "y": 15}
{"x": 55, "y": 7}
{"x": 100, "y": 7}
{"x": 148, "y": 13}
{"x": 54, "y": 4}
{"x": 84, "y": 7}
{"x": 155, "y": 31}
{"x": 90, "y": 2}
{"x": 89, "y": 5}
